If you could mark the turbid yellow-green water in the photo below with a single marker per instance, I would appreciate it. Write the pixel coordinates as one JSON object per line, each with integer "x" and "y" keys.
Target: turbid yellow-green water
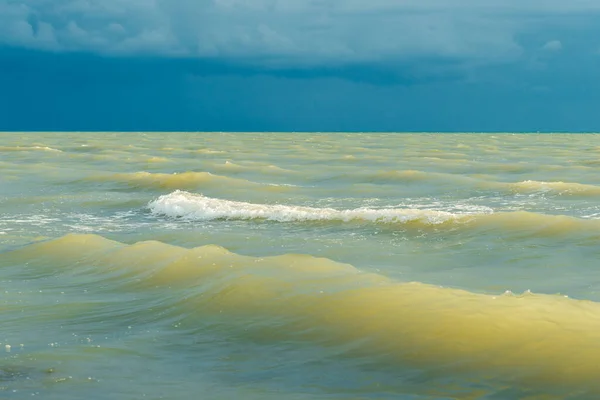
{"x": 299, "y": 266}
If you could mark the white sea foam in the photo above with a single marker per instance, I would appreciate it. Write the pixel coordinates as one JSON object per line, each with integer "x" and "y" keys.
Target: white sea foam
{"x": 46, "y": 148}
{"x": 180, "y": 204}
{"x": 28, "y": 148}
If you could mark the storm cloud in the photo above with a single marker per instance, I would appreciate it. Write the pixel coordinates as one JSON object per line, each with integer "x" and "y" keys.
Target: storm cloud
{"x": 285, "y": 33}
{"x": 317, "y": 65}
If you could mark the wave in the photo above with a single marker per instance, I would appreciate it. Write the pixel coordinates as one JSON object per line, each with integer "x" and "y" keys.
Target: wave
{"x": 562, "y": 188}
{"x": 479, "y": 182}
{"x": 400, "y": 176}
{"x": 28, "y": 148}
{"x": 411, "y": 176}
{"x": 183, "y": 180}
{"x": 230, "y": 167}
{"x": 191, "y": 206}
{"x": 175, "y": 180}
{"x": 404, "y": 175}
{"x": 203, "y": 151}
{"x": 196, "y": 207}
{"x": 155, "y": 159}
{"x": 531, "y": 339}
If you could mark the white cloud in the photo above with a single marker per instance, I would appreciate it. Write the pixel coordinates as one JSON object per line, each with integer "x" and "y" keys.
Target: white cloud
{"x": 283, "y": 32}
{"x": 553, "y": 45}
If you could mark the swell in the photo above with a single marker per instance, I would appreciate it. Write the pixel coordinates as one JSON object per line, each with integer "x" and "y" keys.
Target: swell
{"x": 183, "y": 180}
{"x": 28, "y": 148}
{"x": 196, "y": 207}
{"x": 392, "y": 177}
{"x": 557, "y": 187}
{"x": 474, "y": 181}
{"x": 266, "y": 169}
{"x": 532, "y": 339}
{"x": 414, "y": 176}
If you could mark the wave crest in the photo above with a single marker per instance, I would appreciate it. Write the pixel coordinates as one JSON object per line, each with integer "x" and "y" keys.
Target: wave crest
{"x": 552, "y": 338}
{"x": 197, "y": 207}
{"x": 562, "y": 188}
{"x": 184, "y": 180}
{"x": 28, "y": 148}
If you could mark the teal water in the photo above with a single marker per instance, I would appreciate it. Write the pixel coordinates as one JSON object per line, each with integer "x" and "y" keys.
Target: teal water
{"x": 299, "y": 266}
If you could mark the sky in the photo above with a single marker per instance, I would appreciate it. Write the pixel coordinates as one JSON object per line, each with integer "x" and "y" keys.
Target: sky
{"x": 300, "y": 65}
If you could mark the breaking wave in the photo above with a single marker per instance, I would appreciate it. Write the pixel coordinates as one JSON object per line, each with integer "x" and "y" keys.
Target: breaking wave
{"x": 196, "y": 207}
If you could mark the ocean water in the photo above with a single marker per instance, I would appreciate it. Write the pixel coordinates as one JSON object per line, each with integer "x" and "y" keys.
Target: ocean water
{"x": 299, "y": 266}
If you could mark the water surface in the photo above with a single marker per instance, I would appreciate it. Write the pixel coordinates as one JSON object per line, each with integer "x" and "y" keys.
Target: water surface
{"x": 299, "y": 266}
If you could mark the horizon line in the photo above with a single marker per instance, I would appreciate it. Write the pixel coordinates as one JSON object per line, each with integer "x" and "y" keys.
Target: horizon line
{"x": 300, "y": 131}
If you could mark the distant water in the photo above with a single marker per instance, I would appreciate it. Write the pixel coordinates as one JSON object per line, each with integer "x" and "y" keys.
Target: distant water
{"x": 299, "y": 266}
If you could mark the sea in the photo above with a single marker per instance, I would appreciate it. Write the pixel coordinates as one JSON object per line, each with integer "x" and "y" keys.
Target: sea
{"x": 299, "y": 266}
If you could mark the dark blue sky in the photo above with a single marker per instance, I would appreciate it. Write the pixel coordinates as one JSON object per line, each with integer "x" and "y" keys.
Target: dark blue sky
{"x": 300, "y": 65}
